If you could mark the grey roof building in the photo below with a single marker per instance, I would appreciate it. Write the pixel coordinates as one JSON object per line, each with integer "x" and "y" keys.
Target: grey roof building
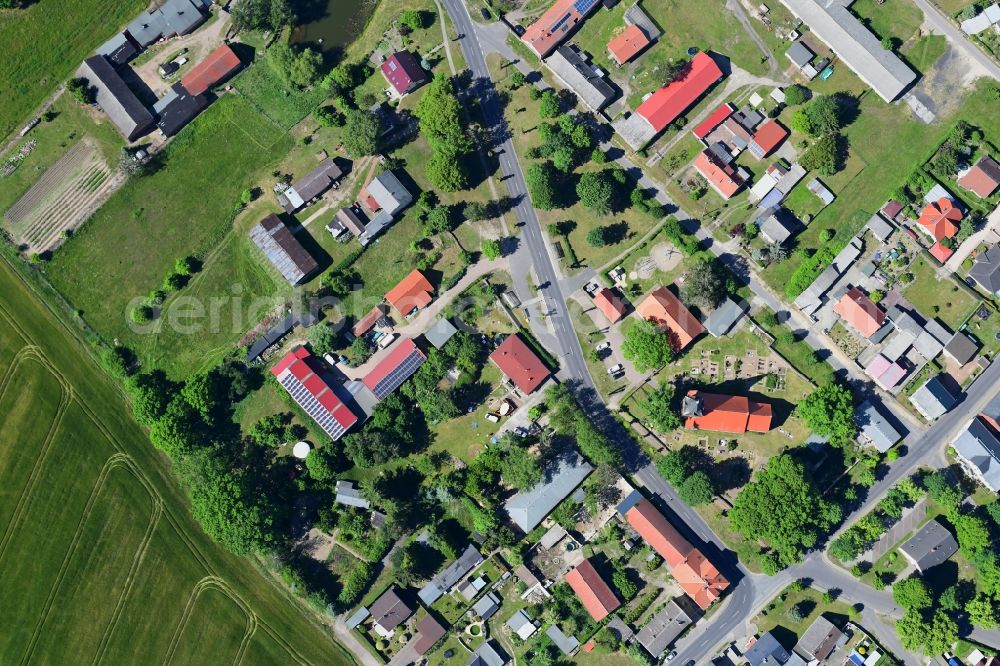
{"x": 933, "y": 399}
{"x": 283, "y": 250}
{"x": 440, "y": 333}
{"x": 175, "y": 17}
{"x": 566, "y": 644}
{"x": 528, "y": 508}
{"x": 817, "y": 187}
{"x": 819, "y": 640}
{"x": 522, "y": 625}
{"x": 930, "y": 546}
{"x": 635, "y": 16}
{"x": 487, "y": 606}
{"x": 347, "y": 494}
{"x": 119, "y": 49}
{"x": 961, "y": 348}
{"x": 451, "y": 575}
{"x": 572, "y": 67}
{"x": 875, "y": 428}
{"x": 488, "y": 654}
{"x": 389, "y": 193}
{"x": 310, "y": 186}
{"x": 979, "y": 451}
{"x": 767, "y": 651}
{"x": 986, "y": 270}
{"x": 357, "y": 617}
{"x": 880, "y": 228}
{"x": 723, "y": 318}
{"x": 772, "y": 228}
{"x": 663, "y": 629}
{"x": 124, "y": 109}
{"x": 833, "y": 23}
{"x": 389, "y": 611}
{"x": 181, "y": 109}
{"x": 799, "y": 54}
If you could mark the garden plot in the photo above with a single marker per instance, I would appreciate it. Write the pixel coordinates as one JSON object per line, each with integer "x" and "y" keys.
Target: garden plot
{"x": 62, "y": 199}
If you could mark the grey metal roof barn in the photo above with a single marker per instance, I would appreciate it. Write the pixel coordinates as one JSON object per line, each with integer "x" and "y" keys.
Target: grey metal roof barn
{"x": 635, "y": 16}
{"x": 310, "y": 186}
{"x": 116, "y": 99}
{"x": 487, "y": 606}
{"x": 283, "y": 250}
{"x": 833, "y": 23}
{"x": 390, "y": 194}
{"x": 663, "y": 628}
{"x": 566, "y": 644}
{"x": 819, "y": 640}
{"x": 440, "y": 332}
{"x": 930, "y": 546}
{"x": 933, "y": 399}
{"x": 450, "y": 576}
{"x": 773, "y": 228}
{"x": 180, "y": 110}
{"x": 724, "y": 317}
{"x": 487, "y": 655}
{"x": 528, "y": 508}
{"x": 119, "y": 49}
{"x": 979, "y": 450}
{"x": 880, "y": 228}
{"x": 347, "y": 494}
{"x": 799, "y": 54}
{"x": 570, "y": 66}
{"x": 175, "y": 17}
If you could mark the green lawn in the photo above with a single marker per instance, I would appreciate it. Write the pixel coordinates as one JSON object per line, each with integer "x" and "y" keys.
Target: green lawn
{"x": 924, "y": 51}
{"x": 285, "y": 106}
{"x": 45, "y": 43}
{"x": 102, "y": 561}
{"x": 185, "y": 208}
{"x": 947, "y": 299}
{"x": 775, "y": 618}
{"x": 897, "y": 19}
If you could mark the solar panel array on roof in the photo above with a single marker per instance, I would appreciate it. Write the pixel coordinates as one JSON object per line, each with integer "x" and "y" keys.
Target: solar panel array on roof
{"x": 398, "y": 375}
{"x": 317, "y": 411}
{"x": 583, "y": 6}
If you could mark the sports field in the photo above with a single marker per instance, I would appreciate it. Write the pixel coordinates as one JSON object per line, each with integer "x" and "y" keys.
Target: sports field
{"x": 101, "y": 560}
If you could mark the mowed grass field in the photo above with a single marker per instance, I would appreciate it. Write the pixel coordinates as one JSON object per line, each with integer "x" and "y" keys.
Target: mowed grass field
{"x": 185, "y": 208}
{"x": 43, "y": 45}
{"x": 101, "y": 560}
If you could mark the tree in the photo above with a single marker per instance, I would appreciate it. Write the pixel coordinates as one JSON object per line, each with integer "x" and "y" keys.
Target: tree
{"x": 150, "y": 395}
{"x": 342, "y": 281}
{"x": 972, "y": 532}
{"x": 796, "y": 94}
{"x": 262, "y": 15}
{"x": 983, "y": 611}
{"x": 517, "y": 79}
{"x": 492, "y": 249}
{"x": 646, "y": 347}
{"x": 205, "y": 392}
{"x": 598, "y": 236}
{"x": 370, "y": 447}
{"x": 784, "y": 508}
{"x": 362, "y": 130}
{"x": 705, "y": 283}
{"x": 521, "y": 469}
{"x": 542, "y": 184}
{"x": 548, "y": 106}
{"x": 825, "y": 115}
{"x": 676, "y": 464}
{"x": 440, "y": 115}
{"x": 627, "y": 589}
{"x": 912, "y": 593}
{"x": 659, "y": 407}
{"x": 823, "y": 155}
{"x": 446, "y": 172}
{"x": 438, "y": 220}
{"x": 271, "y": 430}
{"x": 596, "y": 192}
{"x": 328, "y": 116}
{"x": 81, "y": 90}
{"x": 829, "y": 411}
{"x": 696, "y": 489}
{"x": 413, "y": 19}
{"x": 322, "y": 464}
{"x": 298, "y": 67}
{"x": 175, "y": 432}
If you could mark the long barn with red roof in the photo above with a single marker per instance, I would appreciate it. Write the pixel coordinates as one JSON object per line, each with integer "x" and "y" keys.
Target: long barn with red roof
{"x": 302, "y": 376}
{"x": 213, "y": 70}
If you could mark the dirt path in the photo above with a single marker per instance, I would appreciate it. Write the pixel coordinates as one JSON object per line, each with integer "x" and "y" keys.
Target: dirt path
{"x": 17, "y": 138}
{"x": 741, "y": 16}
{"x": 199, "y": 44}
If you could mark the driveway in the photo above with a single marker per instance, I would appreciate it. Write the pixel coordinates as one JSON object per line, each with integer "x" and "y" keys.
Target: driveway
{"x": 199, "y": 44}
{"x": 990, "y": 233}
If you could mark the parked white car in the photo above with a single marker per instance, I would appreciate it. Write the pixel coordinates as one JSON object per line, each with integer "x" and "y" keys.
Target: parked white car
{"x": 616, "y": 369}
{"x": 604, "y": 345}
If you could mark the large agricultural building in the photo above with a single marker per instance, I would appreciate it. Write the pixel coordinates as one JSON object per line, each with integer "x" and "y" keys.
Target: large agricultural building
{"x": 301, "y": 375}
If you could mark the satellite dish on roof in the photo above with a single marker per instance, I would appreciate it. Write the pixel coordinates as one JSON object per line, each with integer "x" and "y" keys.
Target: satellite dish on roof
{"x": 301, "y": 449}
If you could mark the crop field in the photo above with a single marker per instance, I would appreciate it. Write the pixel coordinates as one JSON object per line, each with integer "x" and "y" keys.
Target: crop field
{"x": 45, "y": 43}
{"x": 101, "y": 561}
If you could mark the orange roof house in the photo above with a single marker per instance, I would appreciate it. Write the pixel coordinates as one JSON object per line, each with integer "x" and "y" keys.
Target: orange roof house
{"x": 214, "y": 69}
{"x": 667, "y": 104}
{"x": 983, "y": 178}
{"x": 593, "y": 592}
{"x": 860, "y": 312}
{"x": 940, "y": 252}
{"x": 627, "y": 44}
{"x": 665, "y": 310}
{"x": 609, "y": 304}
{"x": 940, "y": 219}
{"x": 412, "y": 293}
{"x": 544, "y": 35}
{"x": 696, "y": 575}
{"x": 722, "y": 177}
{"x": 516, "y": 361}
{"x": 724, "y": 413}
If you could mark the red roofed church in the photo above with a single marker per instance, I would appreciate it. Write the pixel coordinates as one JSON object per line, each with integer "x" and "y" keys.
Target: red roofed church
{"x": 724, "y": 413}
{"x": 940, "y": 219}
{"x": 214, "y": 69}
{"x": 302, "y": 376}
{"x": 860, "y": 312}
{"x": 403, "y": 72}
{"x": 669, "y": 102}
{"x": 593, "y": 592}
{"x": 521, "y": 365}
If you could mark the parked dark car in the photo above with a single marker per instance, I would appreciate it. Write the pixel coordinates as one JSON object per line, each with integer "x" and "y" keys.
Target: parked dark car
{"x": 485, "y": 12}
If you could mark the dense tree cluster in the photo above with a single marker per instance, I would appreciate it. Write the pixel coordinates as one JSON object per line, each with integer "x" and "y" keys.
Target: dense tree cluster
{"x": 270, "y": 15}
{"x": 829, "y": 411}
{"x": 822, "y": 118}
{"x": 297, "y": 66}
{"x": 684, "y": 468}
{"x": 659, "y": 407}
{"x": 647, "y": 347}
{"x": 362, "y": 130}
{"x": 706, "y": 283}
{"x": 570, "y": 420}
{"x": 440, "y": 115}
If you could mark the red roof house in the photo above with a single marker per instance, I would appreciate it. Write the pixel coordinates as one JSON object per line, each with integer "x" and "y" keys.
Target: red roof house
{"x": 724, "y": 413}
{"x": 696, "y": 575}
{"x": 429, "y": 632}
{"x": 722, "y": 177}
{"x": 720, "y": 114}
{"x": 217, "y": 67}
{"x": 594, "y": 593}
{"x": 397, "y": 366}
{"x": 368, "y": 322}
{"x": 517, "y": 361}
{"x": 940, "y": 219}
{"x": 983, "y": 178}
{"x": 303, "y": 377}
{"x": 665, "y": 310}
{"x": 860, "y": 312}
{"x": 412, "y": 293}
{"x": 627, "y": 44}
{"x": 609, "y": 304}
{"x": 403, "y": 72}
{"x": 669, "y": 102}
{"x": 768, "y": 136}
{"x": 544, "y": 35}
{"x": 940, "y": 252}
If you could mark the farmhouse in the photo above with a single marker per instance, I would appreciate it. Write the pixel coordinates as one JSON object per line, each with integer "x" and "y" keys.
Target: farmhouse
{"x": 213, "y": 70}
{"x": 961, "y": 348}
{"x": 389, "y": 611}
{"x": 301, "y": 374}
{"x": 714, "y": 119}
{"x": 768, "y": 136}
{"x": 820, "y": 640}
{"x": 724, "y": 413}
{"x": 349, "y": 495}
{"x": 723, "y": 178}
{"x": 939, "y": 219}
{"x": 119, "y": 49}
{"x": 663, "y": 628}
{"x": 665, "y": 311}
{"x": 413, "y": 293}
{"x": 570, "y": 65}
{"x": 530, "y": 507}
{"x": 308, "y": 188}
{"x": 555, "y": 25}
{"x": 875, "y": 428}
{"x": 377, "y": 206}
{"x": 487, "y": 654}
{"x": 521, "y": 625}
{"x": 283, "y": 250}
{"x": 520, "y": 364}
{"x": 982, "y": 178}
{"x": 860, "y": 312}
{"x": 403, "y": 72}
{"x": 930, "y": 546}
{"x": 773, "y": 227}
{"x": 800, "y": 54}
{"x": 429, "y": 632}
{"x": 722, "y": 319}
{"x": 593, "y": 592}
{"x": 767, "y": 651}
{"x": 398, "y": 366}
{"x": 115, "y": 98}
{"x": 174, "y": 17}
{"x": 934, "y": 398}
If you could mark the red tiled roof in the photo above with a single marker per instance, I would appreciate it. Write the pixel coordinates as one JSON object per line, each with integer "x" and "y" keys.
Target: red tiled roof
{"x": 769, "y": 135}
{"x": 402, "y": 71}
{"x": 554, "y": 25}
{"x": 402, "y": 351}
{"x": 891, "y": 209}
{"x": 860, "y": 312}
{"x": 367, "y": 322}
{"x": 301, "y": 365}
{"x": 669, "y": 102}
{"x": 729, "y": 413}
{"x": 594, "y": 593}
{"x": 517, "y": 361}
{"x": 609, "y": 303}
{"x": 723, "y": 179}
{"x": 940, "y": 252}
{"x": 940, "y": 218}
{"x": 983, "y": 178}
{"x": 664, "y": 309}
{"x": 219, "y": 64}
{"x": 724, "y": 111}
{"x": 627, "y": 44}
{"x": 412, "y": 293}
